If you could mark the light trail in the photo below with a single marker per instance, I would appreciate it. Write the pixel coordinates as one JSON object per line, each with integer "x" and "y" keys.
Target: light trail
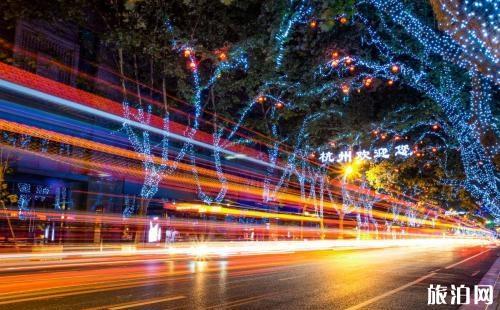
{"x": 79, "y": 142}
{"x": 224, "y": 249}
{"x": 100, "y": 147}
{"x": 92, "y": 102}
{"x": 87, "y": 77}
{"x": 235, "y": 188}
{"x": 288, "y": 195}
{"x": 8, "y": 86}
{"x": 243, "y": 212}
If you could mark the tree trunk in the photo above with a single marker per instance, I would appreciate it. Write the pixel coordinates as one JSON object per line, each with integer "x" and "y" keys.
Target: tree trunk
{"x": 151, "y": 77}
{"x": 341, "y": 225}
{"x": 122, "y": 76}
{"x": 141, "y": 229}
{"x": 164, "y": 93}
{"x": 10, "y": 225}
{"x": 136, "y": 74}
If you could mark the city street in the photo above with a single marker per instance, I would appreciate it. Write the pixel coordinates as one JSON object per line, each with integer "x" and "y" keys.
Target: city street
{"x": 249, "y": 154}
{"x": 390, "y": 278}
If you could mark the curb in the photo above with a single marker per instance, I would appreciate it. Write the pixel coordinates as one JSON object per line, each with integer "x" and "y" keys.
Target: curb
{"x": 492, "y": 277}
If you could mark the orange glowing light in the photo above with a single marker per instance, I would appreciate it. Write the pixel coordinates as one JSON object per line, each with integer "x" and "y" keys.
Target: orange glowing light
{"x": 394, "y": 69}
{"x": 279, "y": 105}
{"x": 390, "y": 82}
{"x": 222, "y": 56}
{"x": 187, "y": 53}
{"x": 335, "y": 54}
{"x": 345, "y": 88}
{"x": 313, "y": 24}
{"x": 343, "y": 20}
{"x": 261, "y": 99}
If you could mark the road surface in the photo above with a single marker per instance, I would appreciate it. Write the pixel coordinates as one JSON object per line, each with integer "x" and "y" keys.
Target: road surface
{"x": 391, "y": 278}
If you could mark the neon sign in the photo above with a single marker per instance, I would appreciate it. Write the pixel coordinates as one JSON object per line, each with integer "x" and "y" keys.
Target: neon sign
{"x": 379, "y": 153}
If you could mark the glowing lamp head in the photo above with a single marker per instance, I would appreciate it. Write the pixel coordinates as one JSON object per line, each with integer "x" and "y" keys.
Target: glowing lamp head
{"x": 394, "y": 69}
{"x": 351, "y": 170}
{"x": 348, "y": 170}
{"x": 343, "y": 20}
{"x": 348, "y": 60}
{"x": 313, "y": 24}
{"x": 312, "y": 156}
{"x": 192, "y": 65}
{"x": 434, "y": 150}
{"x": 352, "y": 69}
{"x": 335, "y": 63}
{"x": 261, "y": 99}
{"x": 390, "y": 82}
{"x": 187, "y": 53}
{"x": 279, "y": 105}
{"x": 222, "y": 57}
{"x": 397, "y": 138}
{"x": 383, "y": 137}
{"x": 335, "y": 54}
{"x": 435, "y": 127}
{"x": 368, "y": 82}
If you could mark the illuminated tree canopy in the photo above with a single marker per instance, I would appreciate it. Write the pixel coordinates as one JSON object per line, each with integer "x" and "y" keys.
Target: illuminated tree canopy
{"x": 318, "y": 75}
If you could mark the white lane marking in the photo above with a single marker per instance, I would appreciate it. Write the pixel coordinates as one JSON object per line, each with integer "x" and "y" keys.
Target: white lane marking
{"x": 465, "y": 260}
{"x": 239, "y": 302}
{"x": 377, "y": 298}
{"x": 144, "y": 303}
{"x": 290, "y": 278}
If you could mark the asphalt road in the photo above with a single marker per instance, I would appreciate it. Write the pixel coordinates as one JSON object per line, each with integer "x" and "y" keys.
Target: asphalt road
{"x": 394, "y": 278}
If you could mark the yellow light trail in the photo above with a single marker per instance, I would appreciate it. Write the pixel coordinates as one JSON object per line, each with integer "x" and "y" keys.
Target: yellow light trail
{"x": 237, "y": 184}
{"x": 243, "y": 212}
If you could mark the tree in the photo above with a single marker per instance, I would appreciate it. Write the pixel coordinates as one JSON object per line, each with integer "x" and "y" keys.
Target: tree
{"x": 5, "y": 196}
